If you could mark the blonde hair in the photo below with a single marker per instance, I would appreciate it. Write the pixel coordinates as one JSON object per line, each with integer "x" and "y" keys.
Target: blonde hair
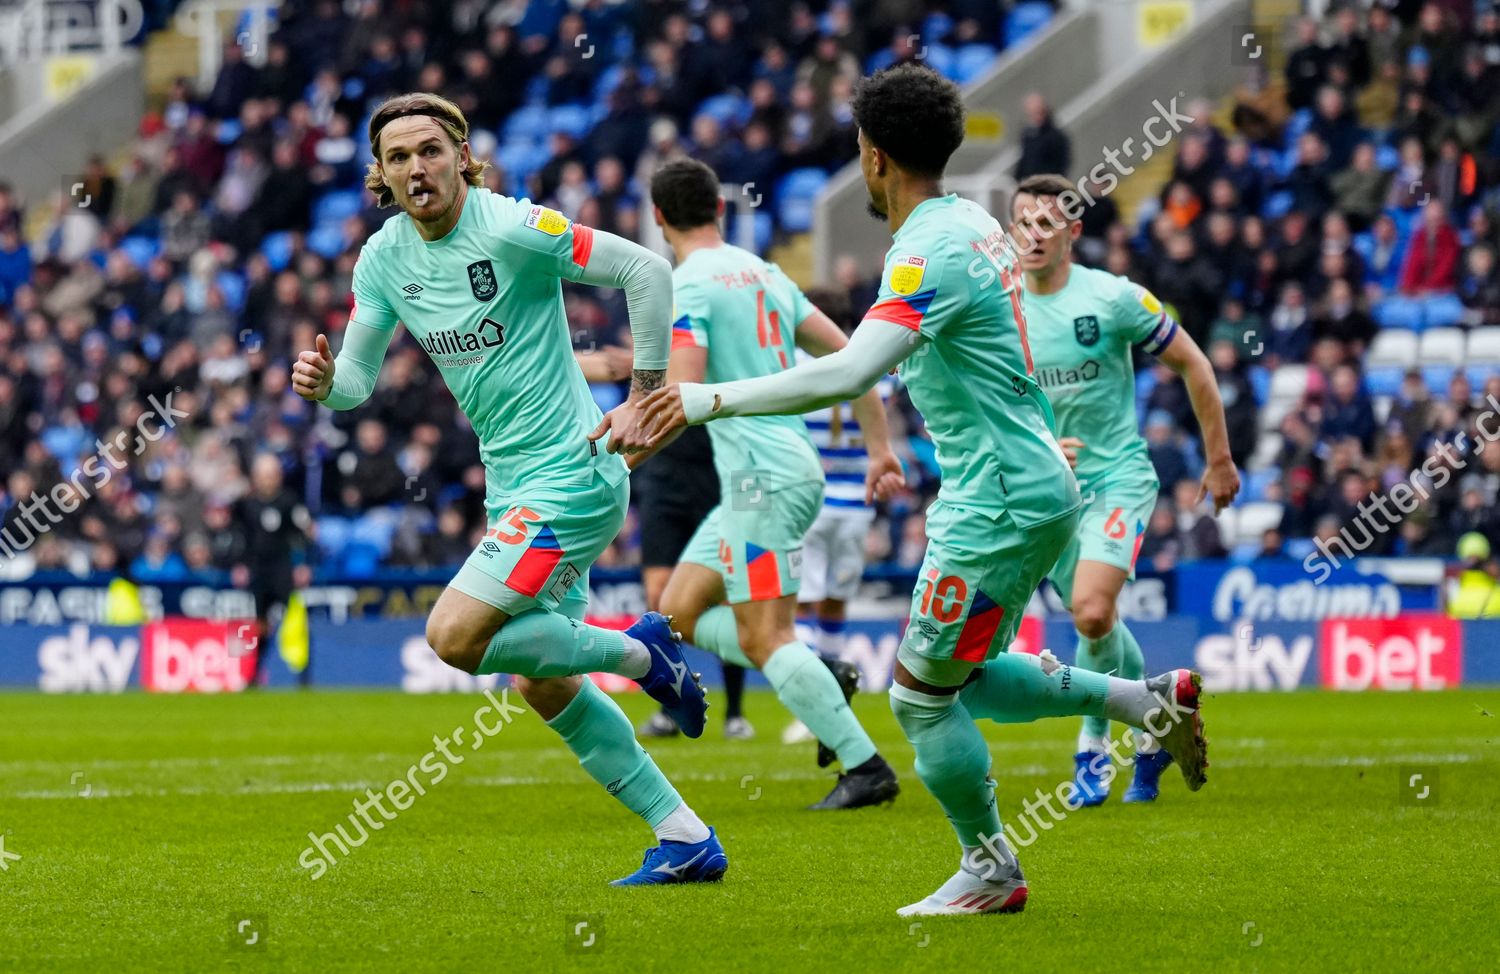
{"x": 448, "y": 115}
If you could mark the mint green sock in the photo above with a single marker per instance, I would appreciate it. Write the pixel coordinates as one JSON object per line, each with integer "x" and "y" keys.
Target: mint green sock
{"x": 952, "y": 760}
{"x": 597, "y": 730}
{"x": 811, "y": 692}
{"x": 538, "y": 643}
{"x": 1116, "y": 653}
{"x": 1101, "y": 655}
{"x": 716, "y": 632}
{"x": 1013, "y": 689}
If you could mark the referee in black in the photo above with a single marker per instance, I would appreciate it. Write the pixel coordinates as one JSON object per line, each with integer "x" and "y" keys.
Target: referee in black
{"x": 277, "y": 529}
{"x": 677, "y": 489}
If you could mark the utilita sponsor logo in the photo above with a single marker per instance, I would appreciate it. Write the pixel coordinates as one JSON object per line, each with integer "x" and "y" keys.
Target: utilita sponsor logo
{"x": 1412, "y": 652}
{"x": 192, "y": 656}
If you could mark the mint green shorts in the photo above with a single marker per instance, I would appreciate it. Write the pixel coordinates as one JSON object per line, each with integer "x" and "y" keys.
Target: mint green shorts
{"x": 977, "y": 577}
{"x": 755, "y": 541}
{"x": 1110, "y": 531}
{"x": 537, "y": 553}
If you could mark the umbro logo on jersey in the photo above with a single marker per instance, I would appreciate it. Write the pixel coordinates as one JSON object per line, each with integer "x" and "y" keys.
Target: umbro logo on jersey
{"x": 413, "y": 291}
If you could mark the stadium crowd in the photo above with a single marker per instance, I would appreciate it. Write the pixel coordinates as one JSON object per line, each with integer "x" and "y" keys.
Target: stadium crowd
{"x": 1352, "y": 198}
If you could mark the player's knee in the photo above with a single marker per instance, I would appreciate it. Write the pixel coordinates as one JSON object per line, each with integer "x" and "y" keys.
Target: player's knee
{"x": 1094, "y": 615}
{"x": 760, "y": 644}
{"x": 453, "y": 645}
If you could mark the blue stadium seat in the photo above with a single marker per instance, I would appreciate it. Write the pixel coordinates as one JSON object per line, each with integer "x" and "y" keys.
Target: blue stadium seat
{"x": 1025, "y": 20}
{"x": 940, "y": 58}
{"x": 338, "y": 206}
{"x": 1437, "y": 377}
{"x": 327, "y": 241}
{"x": 1257, "y": 482}
{"x": 1478, "y": 375}
{"x": 140, "y": 250}
{"x": 765, "y": 228}
{"x": 1398, "y": 312}
{"x": 1387, "y": 158}
{"x": 277, "y": 249}
{"x": 233, "y": 287}
{"x": 796, "y": 193}
{"x": 575, "y": 120}
{"x": 1442, "y": 311}
{"x": 1260, "y": 383}
{"x": 608, "y": 81}
{"x": 1299, "y": 123}
{"x": 228, "y": 130}
{"x": 1384, "y": 380}
{"x": 361, "y": 560}
{"x": 527, "y": 122}
{"x": 728, "y": 109}
{"x": 937, "y": 25}
{"x": 1277, "y": 205}
{"x": 971, "y": 61}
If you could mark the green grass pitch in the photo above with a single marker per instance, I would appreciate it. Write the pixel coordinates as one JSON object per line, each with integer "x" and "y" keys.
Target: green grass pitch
{"x": 149, "y": 827}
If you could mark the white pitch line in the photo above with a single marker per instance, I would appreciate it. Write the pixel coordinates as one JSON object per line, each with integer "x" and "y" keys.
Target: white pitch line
{"x": 512, "y": 781}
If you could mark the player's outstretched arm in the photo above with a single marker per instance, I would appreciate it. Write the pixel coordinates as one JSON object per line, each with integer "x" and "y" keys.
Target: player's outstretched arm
{"x": 877, "y": 347}
{"x": 646, "y": 279}
{"x": 347, "y": 381}
{"x": 1183, "y": 356}
{"x": 818, "y": 335}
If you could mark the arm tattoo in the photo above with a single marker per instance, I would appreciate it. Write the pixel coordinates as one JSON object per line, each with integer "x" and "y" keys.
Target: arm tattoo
{"x": 643, "y": 381}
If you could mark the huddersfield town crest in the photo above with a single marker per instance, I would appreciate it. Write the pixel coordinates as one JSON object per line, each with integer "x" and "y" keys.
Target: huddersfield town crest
{"x": 482, "y": 280}
{"x": 1085, "y": 329}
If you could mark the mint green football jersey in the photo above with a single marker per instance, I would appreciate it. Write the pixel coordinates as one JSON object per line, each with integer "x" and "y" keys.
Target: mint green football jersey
{"x": 951, "y": 278}
{"x": 1081, "y": 340}
{"x": 745, "y": 312}
{"x": 486, "y": 303}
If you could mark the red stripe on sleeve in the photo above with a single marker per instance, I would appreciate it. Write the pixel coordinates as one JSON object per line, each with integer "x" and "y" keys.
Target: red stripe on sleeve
{"x": 897, "y": 312}
{"x": 682, "y": 338}
{"x": 583, "y": 244}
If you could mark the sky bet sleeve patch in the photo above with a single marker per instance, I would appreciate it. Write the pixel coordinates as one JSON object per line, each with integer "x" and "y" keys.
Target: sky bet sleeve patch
{"x": 548, "y": 221}
{"x": 906, "y": 274}
{"x": 1148, "y": 300}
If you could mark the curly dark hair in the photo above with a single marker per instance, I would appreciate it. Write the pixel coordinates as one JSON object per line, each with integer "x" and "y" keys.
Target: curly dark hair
{"x": 912, "y": 114}
{"x": 687, "y": 193}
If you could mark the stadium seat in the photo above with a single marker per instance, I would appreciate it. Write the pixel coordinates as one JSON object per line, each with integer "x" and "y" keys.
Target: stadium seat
{"x": 1289, "y": 382}
{"x": 1442, "y": 346}
{"x": 1267, "y": 448}
{"x": 338, "y": 206}
{"x": 227, "y": 131}
{"x": 1398, "y": 312}
{"x": 527, "y": 122}
{"x": 1228, "y": 521}
{"x": 940, "y": 58}
{"x": 1296, "y": 127}
{"x": 608, "y": 81}
{"x": 1260, "y": 382}
{"x": 1387, "y": 158}
{"x": 141, "y": 250}
{"x": 277, "y": 249}
{"x": 1396, "y": 349}
{"x": 937, "y": 24}
{"x": 796, "y": 193}
{"x": 1277, "y": 205}
{"x": 232, "y": 286}
{"x": 575, "y": 120}
{"x": 1385, "y": 380}
{"x": 765, "y": 230}
{"x": 1442, "y": 311}
{"x": 1437, "y": 377}
{"x": 971, "y": 61}
{"x": 1256, "y": 518}
{"x": 1026, "y": 20}
{"x": 1258, "y": 481}
{"x": 727, "y": 109}
{"x": 327, "y": 241}
{"x": 1484, "y": 346}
